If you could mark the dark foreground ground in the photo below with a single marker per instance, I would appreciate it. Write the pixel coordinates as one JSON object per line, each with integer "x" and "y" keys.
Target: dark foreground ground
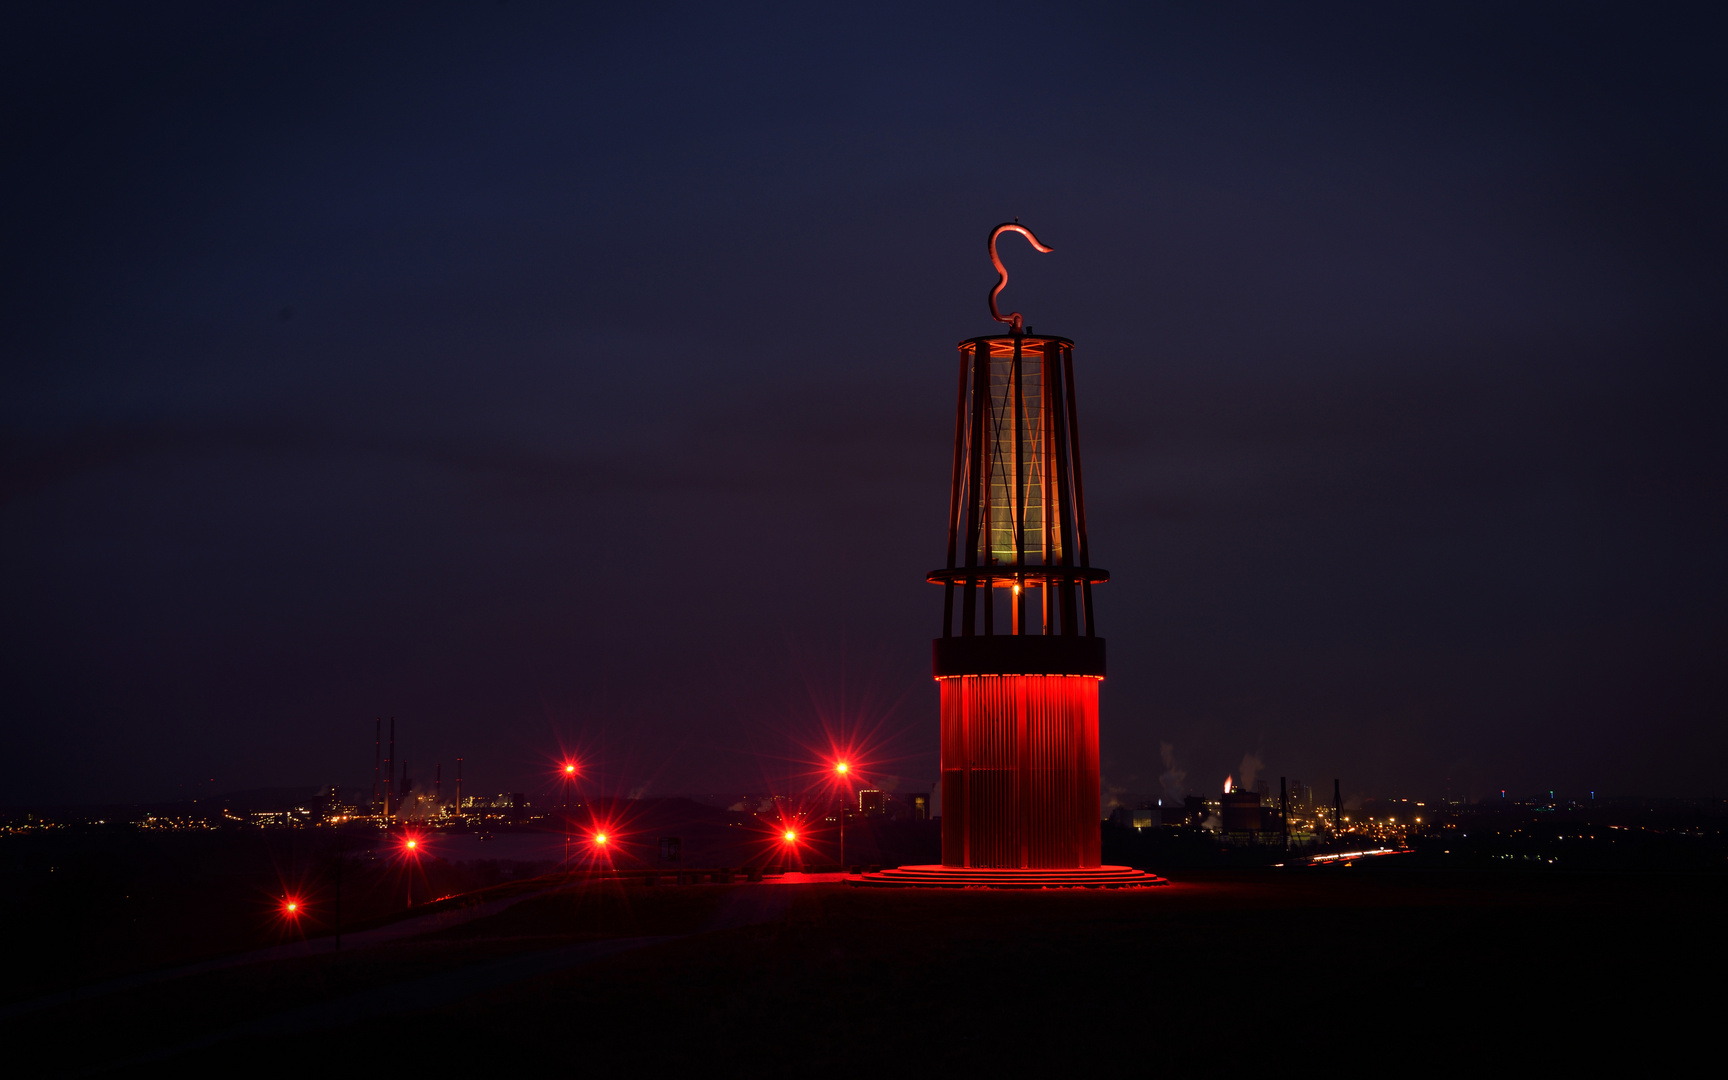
{"x": 1352, "y": 971}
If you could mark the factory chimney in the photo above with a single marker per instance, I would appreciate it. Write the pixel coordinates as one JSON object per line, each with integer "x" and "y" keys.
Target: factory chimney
{"x": 389, "y": 774}
{"x": 1284, "y": 811}
{"x": 438, "y": 785}
{"x": 1337, "y": 807}
{"x": 377, "y": 738}
{"x": 458, "y": 787}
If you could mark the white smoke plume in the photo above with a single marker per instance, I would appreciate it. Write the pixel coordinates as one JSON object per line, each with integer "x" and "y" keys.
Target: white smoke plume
{"x": 1251, "y": 766}
{"x": 1172, "y": 777}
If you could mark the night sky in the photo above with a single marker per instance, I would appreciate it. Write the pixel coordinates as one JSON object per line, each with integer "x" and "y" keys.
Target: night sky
{"x": 558, "y": 379}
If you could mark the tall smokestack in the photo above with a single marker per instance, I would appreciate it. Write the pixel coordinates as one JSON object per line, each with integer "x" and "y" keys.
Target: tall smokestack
{"x": 1284, "y": 810}
{"x": 402, "y": 789}
{"x": 458, "y": 787}
{"x": 438, "y": 785}
{"x": 390, "y": 773}
{"x": 1337, "y": 806}
{"x": 377, "y": 740}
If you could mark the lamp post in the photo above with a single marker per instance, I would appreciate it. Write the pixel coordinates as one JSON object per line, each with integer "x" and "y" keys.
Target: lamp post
{"x": 569, "y": 779}
{"x": 411, "y": 854}
{"x": 841, "y": 770}
{"x": 339, "y": 851}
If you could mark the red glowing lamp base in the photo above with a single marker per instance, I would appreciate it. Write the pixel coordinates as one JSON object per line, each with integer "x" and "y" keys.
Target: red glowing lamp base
{"x": 1020, "y": 772}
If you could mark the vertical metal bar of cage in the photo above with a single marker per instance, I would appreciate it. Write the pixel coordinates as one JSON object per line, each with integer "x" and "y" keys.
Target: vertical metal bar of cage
{"x": 989, "y": 450}
{"x": 1079, "y": 487}
{"x": 969, "y": 616}
{"x": 1047, "y": 443}
{"x": 1064, "y": 510}
{"x": 1019, "y": 413}
{"x": 954, "y": 498}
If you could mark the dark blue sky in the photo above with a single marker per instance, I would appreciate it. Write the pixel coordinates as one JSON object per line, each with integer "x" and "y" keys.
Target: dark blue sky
{"x": 540, "y": 376}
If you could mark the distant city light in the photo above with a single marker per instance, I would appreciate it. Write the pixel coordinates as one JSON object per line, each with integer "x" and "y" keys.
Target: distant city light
{"x": 1355, "y": 855}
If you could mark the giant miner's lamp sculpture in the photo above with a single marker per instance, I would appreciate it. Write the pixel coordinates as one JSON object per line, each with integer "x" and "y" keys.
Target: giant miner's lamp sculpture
{"x": 1019, "y": 661}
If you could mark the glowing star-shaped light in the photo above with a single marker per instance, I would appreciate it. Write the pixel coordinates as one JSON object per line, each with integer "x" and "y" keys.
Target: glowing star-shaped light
{"x": 790, "y": 836}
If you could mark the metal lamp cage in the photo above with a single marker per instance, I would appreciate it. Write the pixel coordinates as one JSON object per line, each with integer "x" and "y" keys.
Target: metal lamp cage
{"x": 1017, "y": 511}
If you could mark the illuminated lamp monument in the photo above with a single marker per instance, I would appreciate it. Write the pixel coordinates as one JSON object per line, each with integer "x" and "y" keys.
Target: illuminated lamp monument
{"x": 1019, "y": 661}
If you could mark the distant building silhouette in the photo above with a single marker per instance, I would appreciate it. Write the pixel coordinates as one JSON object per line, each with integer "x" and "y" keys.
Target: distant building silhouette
{"x": 1239, "y": 814}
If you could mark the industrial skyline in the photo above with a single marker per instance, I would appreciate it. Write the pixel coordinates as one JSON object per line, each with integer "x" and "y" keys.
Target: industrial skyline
{"x": 558, "y": 379}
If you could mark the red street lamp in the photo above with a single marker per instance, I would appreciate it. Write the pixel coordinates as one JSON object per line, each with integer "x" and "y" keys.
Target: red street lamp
{"x": 289, "y": 909}
{"x": 410, "y": 852}
{"x": 568, "y": 772}
{"x": 841, "y": 769}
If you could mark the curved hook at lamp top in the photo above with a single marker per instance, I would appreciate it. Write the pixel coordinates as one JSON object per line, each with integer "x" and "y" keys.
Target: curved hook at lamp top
{"x": 1013, "y": 319}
